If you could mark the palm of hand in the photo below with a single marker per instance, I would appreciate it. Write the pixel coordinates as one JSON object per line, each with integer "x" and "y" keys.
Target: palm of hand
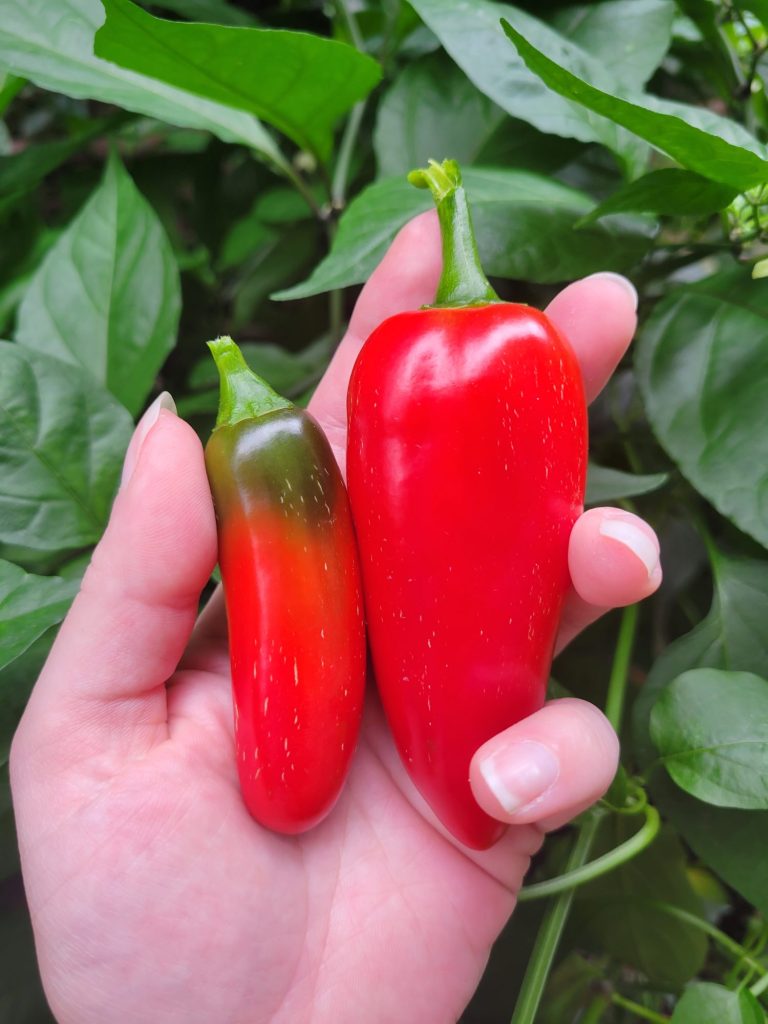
{"x": 272, "y": 927}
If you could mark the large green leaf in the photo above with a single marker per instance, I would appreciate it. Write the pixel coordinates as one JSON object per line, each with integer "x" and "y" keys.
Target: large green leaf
{"x": 702, "y": 363}
{"x": 703, "y": 151}
{"x": 472, "y": 35}
{"x": 524, "y": 225}
{"x": 669, "y": 190}
{"x": 707, "y": 1003}
{"x": 29, "y": 606}
{"x": 616, "y": 913}
{"x": 432, "y": 110}
{"x": 733, "y": 636}
{"x": 298, "y": 82}
{"x": 711, "y": 730}
{"x": 62, "y": 440}
{"x": 630, "y": 37}
{"x": 51, "y": 43}
{"x": 107, "y": 296}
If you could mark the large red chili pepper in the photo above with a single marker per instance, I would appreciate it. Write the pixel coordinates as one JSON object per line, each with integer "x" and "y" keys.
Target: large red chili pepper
{"x": 294, "y": 605}
{"x": 466, "y": 472}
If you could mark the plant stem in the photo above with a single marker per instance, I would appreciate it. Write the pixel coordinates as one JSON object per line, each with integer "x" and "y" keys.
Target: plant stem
{"x": 346, "y": 148}
{"x": 759, "y": 986}
{"x": 737, "y": 951}
{"x": 352, "y": 27}
{"x": 335, "y": 314}
{"x": 551, "y": 929}
{"x": 638, "y": 1010}
{"x": 338, "y": 185}
{"x": 552, "y": 926}
{"x": 587, "y": 872}
{"x": 617, "y": 684}
{"x": 301, "y": 187}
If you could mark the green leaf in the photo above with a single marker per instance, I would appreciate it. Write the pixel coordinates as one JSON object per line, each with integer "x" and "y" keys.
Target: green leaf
{"x": 730, "y": 842}
{"x": 51, "y": 43}
{"x": 670, "y": 191}
{"x": 275, "y": 264}
{"x": 299, "y": 83}
{"x": 708, "y": 1003}
{"x": 432, "y": 110}
{"x": 629, "y": 37}
{"x": 604, "y": 484}
{"x": 570, "y": 988}
{"x": 10, "y": 87}
{"x": 733, "y": 636}
{"x": 710, "y": 155}
{"x": 524, "y": 224}
{"x": 21, "y": 172}
{"x": 29, "y": 605}
{"x": 218, "y": 12}
{"x": 16, "y": 682}
{"x": 62, "y": 440}
{"x": 247, "y": 236}
{"x": 27, "y": 260}
{"x": 702, "y": 363}
{"x": 711, "y": 730}
{"x": 617, "y": 916}
{"x": 107, "y": 296}
{"x": 472, "y": 36}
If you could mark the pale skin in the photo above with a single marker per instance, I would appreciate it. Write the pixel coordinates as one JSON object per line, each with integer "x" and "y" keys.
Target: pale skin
{"x": 153, "y": 895}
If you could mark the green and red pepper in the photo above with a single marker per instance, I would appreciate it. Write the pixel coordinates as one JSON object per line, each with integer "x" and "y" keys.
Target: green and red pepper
{"x": 294, "y": 604}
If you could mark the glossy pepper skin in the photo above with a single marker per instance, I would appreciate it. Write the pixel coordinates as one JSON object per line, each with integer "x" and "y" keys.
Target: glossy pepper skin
{"x": 291, "y": 580}
{"x": 466, "y": 472}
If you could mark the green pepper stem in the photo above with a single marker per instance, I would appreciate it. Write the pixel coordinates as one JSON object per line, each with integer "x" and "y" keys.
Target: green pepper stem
{"x": 463, "y": 281}
{"x": 244, "y": 395}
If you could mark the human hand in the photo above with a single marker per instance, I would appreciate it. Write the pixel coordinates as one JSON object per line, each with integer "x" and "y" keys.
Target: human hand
{"x": 154, "y": 896}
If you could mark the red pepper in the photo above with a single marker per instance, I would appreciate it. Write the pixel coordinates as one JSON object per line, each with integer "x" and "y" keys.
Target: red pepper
{"x": 294, "y": 604}
{"x": 466, "y": 471}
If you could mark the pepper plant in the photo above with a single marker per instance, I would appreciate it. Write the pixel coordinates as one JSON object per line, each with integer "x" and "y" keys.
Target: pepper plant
{"x": 170, "y": 172}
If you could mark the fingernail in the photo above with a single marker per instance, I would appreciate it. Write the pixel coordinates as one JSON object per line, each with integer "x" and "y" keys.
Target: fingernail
{"x": 634, "y": 538}
{"x": 143, "y": 427}
{"x": 520, "y": 773}
{"x": 626, "y": 284}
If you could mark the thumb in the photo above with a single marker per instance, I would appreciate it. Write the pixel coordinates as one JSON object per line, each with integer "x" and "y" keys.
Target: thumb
{"x": 102, "y": 689}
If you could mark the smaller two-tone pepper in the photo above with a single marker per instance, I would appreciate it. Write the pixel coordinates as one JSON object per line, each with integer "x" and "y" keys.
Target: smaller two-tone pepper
{"x": 293, "y": 595}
